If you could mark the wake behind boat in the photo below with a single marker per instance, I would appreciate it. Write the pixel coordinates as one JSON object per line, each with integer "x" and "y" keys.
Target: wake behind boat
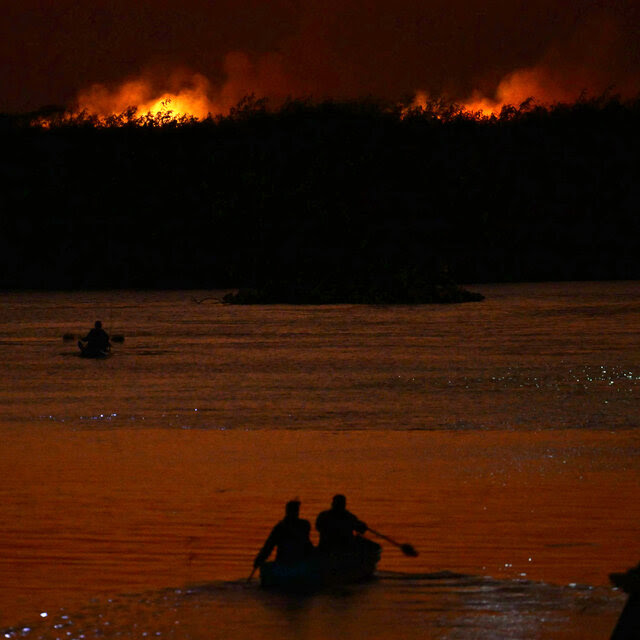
{"x": 324, "y": 569}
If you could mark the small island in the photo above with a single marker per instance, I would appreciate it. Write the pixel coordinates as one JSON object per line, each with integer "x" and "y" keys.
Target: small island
{"x": 354, "y": 291}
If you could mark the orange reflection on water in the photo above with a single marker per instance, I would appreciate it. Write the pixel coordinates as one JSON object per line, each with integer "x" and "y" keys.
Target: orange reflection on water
{"x": 84, "y": 513}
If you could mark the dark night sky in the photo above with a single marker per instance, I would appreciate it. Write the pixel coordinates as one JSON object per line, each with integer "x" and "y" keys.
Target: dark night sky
{"x": 49, "y": 51}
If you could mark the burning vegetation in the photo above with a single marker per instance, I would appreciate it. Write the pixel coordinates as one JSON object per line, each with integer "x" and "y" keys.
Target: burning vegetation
{"x": 566, "y": 74}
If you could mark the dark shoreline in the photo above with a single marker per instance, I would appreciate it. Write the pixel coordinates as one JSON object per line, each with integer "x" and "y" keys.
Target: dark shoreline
{"x": 326, "y": 202}
{"x": 436, "y": 294}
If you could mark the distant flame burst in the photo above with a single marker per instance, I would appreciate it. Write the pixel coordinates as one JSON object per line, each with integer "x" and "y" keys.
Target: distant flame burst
{"x": 190, "y": 100}
{"x": 539, "y": 84}
{"x": 183, "y": 94}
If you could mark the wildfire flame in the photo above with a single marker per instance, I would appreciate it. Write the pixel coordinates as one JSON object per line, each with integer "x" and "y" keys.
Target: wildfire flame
{"x": 182, "y": 95}
{"x": 194, "y": 97}
{"x": 191, "y": 96}
{"x": 536, "y": 83}
{"x": 597, "y": 54}
{"x": 190, "y": 101}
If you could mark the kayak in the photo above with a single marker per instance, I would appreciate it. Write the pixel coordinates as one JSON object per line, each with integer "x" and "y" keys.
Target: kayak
{"x": 97, "y": 355}
{"x": 85, "y": 352}
{"x": 322, "y": 569}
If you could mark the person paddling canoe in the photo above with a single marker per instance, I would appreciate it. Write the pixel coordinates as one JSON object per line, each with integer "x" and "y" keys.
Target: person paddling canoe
{"x": 340, "y": 558}
{"x": 290, "y": 537}
{"x": 337, "y": 525}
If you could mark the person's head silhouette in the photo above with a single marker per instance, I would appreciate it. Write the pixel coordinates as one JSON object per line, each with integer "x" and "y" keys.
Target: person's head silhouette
{"x": 292, "y": 508}
{"x": 339, "y": 502}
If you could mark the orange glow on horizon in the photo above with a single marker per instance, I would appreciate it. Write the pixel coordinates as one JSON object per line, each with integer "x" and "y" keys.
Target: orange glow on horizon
{"x": 192, "y": 96}
{"x": 541, "y": 84}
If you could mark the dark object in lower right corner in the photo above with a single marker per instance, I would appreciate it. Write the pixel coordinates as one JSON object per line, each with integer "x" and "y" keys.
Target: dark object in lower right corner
{"x": 628, "y": 625}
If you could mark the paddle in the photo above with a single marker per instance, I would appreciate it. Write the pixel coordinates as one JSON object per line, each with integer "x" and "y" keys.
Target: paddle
{"x": 116, "y": 337}
{"x": 407, "y": 549}
{"x": 251, "y": 575}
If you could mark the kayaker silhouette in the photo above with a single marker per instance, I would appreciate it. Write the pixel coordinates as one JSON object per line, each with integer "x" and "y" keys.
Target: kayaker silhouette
{"x": 336, "y": 526}
{"x": 290, "y": 536}
{"x": 97, "y": 341}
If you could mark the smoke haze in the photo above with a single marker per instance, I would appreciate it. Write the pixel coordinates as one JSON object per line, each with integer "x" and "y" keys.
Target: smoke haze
{"x": 215, "y": 53}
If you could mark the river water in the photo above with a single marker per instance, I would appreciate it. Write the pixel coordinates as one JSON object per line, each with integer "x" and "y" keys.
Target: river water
{"x": 499, "y": 438}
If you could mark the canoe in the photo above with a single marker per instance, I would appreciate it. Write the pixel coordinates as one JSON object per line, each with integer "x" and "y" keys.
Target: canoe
{"x": 319, "y": 570}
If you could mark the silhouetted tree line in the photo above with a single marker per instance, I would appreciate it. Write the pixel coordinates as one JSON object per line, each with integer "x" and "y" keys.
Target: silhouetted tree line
{"x": 336, "y": 200}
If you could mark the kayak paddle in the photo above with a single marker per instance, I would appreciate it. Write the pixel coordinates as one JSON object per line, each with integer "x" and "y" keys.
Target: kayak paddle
{"x": 407, "y": 549}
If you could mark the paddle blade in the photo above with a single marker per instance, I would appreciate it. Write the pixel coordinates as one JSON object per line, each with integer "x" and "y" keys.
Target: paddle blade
{"x": 409, "y": 550}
